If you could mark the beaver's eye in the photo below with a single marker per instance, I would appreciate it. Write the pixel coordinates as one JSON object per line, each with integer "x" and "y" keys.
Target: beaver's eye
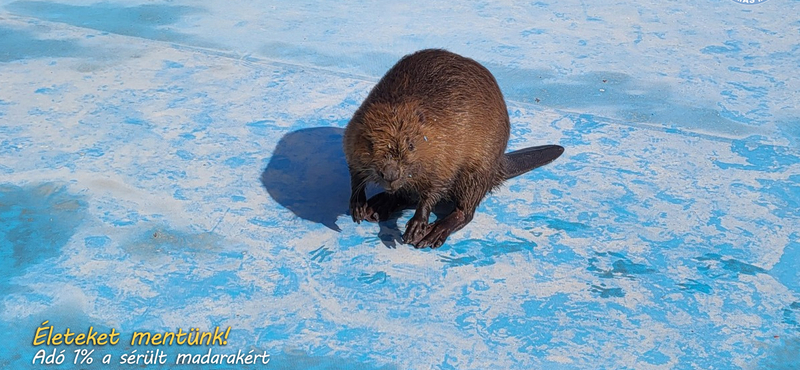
{"x": 411, "y": 146}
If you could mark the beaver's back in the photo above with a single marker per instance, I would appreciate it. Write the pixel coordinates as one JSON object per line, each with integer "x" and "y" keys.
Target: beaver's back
{"x": 465, "y": 115}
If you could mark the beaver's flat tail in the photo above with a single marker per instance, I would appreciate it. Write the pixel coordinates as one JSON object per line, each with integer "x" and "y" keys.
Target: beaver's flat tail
{"x": 524, "y": 160}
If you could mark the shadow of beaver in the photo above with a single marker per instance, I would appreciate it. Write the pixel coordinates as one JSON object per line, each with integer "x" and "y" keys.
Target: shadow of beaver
{"x": 308, "y": 175}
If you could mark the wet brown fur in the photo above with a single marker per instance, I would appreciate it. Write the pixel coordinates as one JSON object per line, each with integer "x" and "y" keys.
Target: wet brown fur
{"x": 440, "y": 121}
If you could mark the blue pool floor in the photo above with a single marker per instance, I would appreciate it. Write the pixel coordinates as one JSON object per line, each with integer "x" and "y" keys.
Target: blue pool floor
{"x": 175, "y": 165}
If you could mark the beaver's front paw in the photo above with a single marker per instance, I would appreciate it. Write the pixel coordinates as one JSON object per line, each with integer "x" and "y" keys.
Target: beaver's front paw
{"x": 416, "y": 229}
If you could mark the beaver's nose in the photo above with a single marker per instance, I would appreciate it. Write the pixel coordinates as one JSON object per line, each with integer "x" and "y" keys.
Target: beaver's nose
{"x": 390, "y": 173}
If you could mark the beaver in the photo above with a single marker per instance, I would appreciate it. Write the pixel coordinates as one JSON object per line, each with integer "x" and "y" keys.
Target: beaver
{"x": 434, "y": 128}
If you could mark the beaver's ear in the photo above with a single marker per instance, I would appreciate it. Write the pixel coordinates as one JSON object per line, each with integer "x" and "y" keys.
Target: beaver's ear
{"x": 367, "y": 140}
